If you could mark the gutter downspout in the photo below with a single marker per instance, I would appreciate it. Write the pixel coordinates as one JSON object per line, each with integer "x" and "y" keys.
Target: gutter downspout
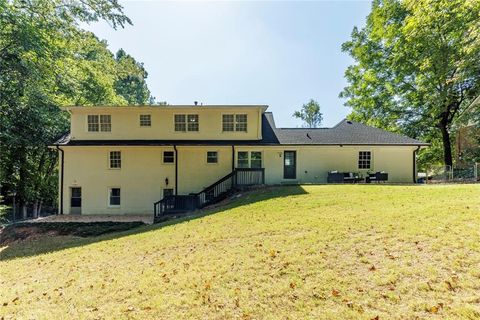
{"x": 233, "y": 157}
{"x": 176, "y": 169}
{"x": 62, "y": 166}
{"x": 415, "y": 164}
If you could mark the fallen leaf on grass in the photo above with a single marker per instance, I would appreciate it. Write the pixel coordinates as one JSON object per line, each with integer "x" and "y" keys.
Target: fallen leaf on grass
{"x": 130, "y": 309}
{"x": 435, "y": 309}
{"x": 372, "y": 268}
{"x": 335, "y": 293}
{"x": 292, "y": 285}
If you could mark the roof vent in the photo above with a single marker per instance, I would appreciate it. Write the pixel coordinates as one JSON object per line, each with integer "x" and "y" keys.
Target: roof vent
{"x": 308, "y": 136}
{"x": 349, "y": 122}
{"x": 195, "y": 103}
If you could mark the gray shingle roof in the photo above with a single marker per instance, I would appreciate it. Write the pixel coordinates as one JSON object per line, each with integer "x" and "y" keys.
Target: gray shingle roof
{"x": 344, "y": 133}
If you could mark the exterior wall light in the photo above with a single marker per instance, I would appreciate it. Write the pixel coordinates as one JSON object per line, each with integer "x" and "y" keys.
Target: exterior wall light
{"x": 166, "y": 181}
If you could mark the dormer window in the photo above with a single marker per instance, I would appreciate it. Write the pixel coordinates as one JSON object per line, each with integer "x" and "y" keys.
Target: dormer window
{"x": 234, "y": 122}
{"x": 98, "y": 123}
{"x": 186, "y": 122}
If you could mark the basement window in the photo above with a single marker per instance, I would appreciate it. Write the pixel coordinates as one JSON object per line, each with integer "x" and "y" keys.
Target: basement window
{"x": 114, "y": 197}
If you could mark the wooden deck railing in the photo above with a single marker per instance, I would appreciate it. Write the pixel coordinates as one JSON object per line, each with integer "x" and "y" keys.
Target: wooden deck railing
{"x": 216, "y": 192}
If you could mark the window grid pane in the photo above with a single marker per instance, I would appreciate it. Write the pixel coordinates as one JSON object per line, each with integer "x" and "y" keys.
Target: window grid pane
{"x": 212, "y": 157}
{"x": 105, "y": 123}
{"x": 242, "y": 159}
{"x": 93, "y": 123}
{"x": 364, "y": 159}
{"x": 228, "y": 122}
{"x": 241, "y": 122}
{"x": 168, "y": 157}
{"x": 180, "y": 123}
{"x": 115, "y": 196}
{"x": 255, "y": 159}
{"x": 192, "y": 122}
{"x": 115, "y": 159}
{"x": 145, "y": 120}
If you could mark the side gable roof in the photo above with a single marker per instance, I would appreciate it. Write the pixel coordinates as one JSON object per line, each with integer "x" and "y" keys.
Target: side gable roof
{"x": 346, "y": 132}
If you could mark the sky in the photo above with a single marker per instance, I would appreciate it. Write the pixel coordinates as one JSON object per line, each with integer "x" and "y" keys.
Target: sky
{"x": 281, "y": 54}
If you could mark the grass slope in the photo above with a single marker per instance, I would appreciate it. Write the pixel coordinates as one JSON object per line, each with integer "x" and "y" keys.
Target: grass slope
{"x": 313, "y": 252}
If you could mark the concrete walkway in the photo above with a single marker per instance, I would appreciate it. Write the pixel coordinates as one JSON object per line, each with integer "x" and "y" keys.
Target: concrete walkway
{"x": 148, "y": 219}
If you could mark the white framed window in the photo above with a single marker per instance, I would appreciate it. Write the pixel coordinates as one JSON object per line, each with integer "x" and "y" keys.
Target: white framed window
{"x": 212, "y": 157}
{"x": 168, "y": 157}
{"x": 115, "y": 159}
{"x": 242, "y": 159}
{"x": 145, "y": 120}
{"x": 249, "y": 159}
{"x": 255, "y": 159}
{"x": 114, "y": 197}
{"x": 180, "y": 122}
{"x": 228, "y": 122}
{"x": 96, "y": 123}
{"x": 192, "y": 124}
{"x": 241, "y": 122}
{"x": 186, "y": 122}
{"x": 234, "y": 122}
{"x": 93, "y": 123}
{"x": 364, "y": 159}
{"x": 105, "y": 123}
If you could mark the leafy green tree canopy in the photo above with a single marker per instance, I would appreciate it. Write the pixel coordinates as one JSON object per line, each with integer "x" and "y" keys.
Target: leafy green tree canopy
{"x": 310, "y": 114}
{"x": 416, "y": 67}
{"x": 47, "y": 61}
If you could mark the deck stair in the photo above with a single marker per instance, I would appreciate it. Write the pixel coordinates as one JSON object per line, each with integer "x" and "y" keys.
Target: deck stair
{"x": 216, "y": 192}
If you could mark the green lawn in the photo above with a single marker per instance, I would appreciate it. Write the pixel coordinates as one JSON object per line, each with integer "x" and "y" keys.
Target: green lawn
{"x": 312, "y": 252}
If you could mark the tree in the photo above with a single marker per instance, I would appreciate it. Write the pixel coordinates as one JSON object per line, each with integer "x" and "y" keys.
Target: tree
{"x": 130, "y": 83}
{"x": 416, "y": 67}
{"x": 47, "y": 61}
{"x": 310, "y": 114}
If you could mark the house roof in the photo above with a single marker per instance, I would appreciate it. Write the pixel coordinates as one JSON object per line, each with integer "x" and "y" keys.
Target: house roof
{"x": 163, "y": 107}
{"x": 346, "y": 132}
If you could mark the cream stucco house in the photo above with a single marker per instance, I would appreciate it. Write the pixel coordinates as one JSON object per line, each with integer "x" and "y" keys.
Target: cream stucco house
{"x": 122, "y": 160}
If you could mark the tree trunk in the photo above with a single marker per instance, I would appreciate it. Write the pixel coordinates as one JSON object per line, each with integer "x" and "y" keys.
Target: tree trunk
{"x": 35, "y": 210}
{"x": 24, "y": 212}
{"x": 447, "y": 144}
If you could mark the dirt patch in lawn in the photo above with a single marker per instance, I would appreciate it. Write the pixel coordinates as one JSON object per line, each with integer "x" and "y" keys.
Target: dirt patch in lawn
{"x": 31, "y": 231}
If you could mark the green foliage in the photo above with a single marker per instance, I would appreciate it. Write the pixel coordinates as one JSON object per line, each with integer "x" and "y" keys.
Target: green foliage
{"x": 310, "y": 114}
{"x": 130, "y": 82}
{"x": 47, "y": 61}
{"x": 416, "y": 67}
